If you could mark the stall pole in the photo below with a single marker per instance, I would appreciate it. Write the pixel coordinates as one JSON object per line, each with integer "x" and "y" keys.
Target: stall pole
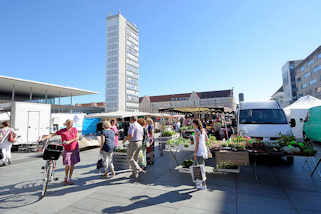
{"x": 30, "y": 94}
{"x": 13, "y": 94}
{"x": 46, "y": 97}
{"x": 226, "y": 132}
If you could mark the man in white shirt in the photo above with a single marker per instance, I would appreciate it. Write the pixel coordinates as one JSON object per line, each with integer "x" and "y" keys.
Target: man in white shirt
{"x": 135, "y": 138}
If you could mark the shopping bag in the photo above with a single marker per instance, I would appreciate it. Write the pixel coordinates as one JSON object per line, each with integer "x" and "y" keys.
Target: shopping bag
{"x": 198, "y": 173}
{"x": 100, "y": 163}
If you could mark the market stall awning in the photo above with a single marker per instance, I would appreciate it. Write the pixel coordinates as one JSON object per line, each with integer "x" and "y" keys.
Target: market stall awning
{"x": 25, "y": 89}
{"x": 117, "y": 114}
{"x": 196, "y": 109}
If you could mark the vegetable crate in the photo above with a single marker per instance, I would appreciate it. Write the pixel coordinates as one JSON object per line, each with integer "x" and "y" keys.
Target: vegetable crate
{"x": 240, "y": 158}
{"x": 228, "y": 170}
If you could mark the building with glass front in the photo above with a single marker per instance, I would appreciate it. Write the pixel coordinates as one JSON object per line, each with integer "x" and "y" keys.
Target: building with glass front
{"x": 122, "y": 92}
{"x": 308, "y": 75}
{"x": 289, "y": 85}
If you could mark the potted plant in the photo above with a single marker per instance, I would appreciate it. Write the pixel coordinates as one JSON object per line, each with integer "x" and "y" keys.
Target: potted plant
{"x": 178, "y": 142}
{"x": 185, "y": 166}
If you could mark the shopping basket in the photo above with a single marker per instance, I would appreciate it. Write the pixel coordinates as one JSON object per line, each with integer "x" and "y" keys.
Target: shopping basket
{"x": 52, "y": 152}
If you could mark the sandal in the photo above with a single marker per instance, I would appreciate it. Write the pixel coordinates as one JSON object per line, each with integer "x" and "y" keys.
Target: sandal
{"x": 65, "y": 181}
{"x": 104, "y": 175}
{"x": 70, "y": 182}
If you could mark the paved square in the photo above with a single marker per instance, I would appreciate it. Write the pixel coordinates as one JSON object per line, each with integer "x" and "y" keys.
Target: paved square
{"x": 282, "y": 189}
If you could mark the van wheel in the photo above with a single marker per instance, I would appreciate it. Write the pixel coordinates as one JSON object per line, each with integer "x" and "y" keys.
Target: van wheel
{"x": 290, "y": 159}
{"x": 305, "y": 138}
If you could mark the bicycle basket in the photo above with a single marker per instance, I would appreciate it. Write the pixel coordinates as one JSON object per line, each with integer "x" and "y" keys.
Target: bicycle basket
{"x": 52, "y": 152}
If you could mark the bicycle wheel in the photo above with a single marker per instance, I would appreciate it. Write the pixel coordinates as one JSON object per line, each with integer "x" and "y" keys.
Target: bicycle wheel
{"x": 47, "y": 176}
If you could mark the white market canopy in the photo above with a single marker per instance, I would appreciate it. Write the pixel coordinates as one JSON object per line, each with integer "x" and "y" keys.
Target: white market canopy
{"x": 305, "y": 102}
{"x": 26, "y": 89}
{"x": 122, "y": 114}
{"x": 298, "y": 111}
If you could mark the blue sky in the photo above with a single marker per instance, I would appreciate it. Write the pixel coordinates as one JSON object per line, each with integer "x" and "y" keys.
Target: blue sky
{"x": 185, "y": 45}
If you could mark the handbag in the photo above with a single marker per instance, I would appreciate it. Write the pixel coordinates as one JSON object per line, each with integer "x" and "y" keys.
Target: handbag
{"x": 11, "y": 137}
{"x": 100, "y": 163}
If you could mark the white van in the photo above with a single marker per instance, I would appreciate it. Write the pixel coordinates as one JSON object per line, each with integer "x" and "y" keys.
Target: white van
{"x": 263, "y": 120}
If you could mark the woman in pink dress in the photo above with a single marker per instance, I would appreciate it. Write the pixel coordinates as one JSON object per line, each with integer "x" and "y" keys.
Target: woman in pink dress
{"x": 69, "y": 138}
{"x": 113, "y": 123}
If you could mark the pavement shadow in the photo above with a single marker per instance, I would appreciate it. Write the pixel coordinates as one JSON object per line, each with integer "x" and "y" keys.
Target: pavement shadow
{"x": 170, "y": 197}
{"x": 77, "y": 167}
{"x": 21, "y": 194}
{"x": 83, "y": 184}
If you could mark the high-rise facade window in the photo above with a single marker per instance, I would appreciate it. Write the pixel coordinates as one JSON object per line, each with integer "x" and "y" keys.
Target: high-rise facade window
{"x": 317, "y": 68}
{"x": 311, "y": 62}
{"x": 313, "y": 81}
{"x": 306, "y": 75}
{"x": 302, "y": 68}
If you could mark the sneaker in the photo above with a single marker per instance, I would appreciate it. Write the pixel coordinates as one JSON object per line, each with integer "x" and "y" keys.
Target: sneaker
{"x": 140, "y": 173}
{"x": 9, "y": 162}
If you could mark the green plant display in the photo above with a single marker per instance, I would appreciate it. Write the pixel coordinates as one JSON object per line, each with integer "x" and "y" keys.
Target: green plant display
{"x": 308, "y": 150}
{"x": 168, "y": 133}
{"x": 285, "y": 140}
{"x": 178, "y": 141}
{"x": 121, "y": 150}
{"x": 187, "y": 163}
{"x": 184, "y": 128}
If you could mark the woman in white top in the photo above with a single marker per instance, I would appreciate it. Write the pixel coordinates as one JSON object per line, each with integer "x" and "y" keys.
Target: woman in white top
{"x": 5, "y": 144}
{"x": 200, "y": 139}
{"x": 200, "y": 151}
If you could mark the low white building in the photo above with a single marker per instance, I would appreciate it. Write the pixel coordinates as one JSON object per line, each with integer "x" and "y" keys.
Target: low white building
{"x": 279, "y": 96}
{"x": 223, "y": 98}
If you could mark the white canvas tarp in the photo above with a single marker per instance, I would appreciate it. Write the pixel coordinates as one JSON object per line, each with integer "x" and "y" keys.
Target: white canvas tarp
{"x": 120, "y": 114}
{"x": 4, "y": 116}
{"x": 298, "y": 111}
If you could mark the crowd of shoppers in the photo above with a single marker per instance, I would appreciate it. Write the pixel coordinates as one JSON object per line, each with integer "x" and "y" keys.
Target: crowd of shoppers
{"x": 140, "y": 138}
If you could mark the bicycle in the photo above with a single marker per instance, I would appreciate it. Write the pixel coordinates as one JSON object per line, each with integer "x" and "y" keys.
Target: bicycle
{"x": 51, "y": 154}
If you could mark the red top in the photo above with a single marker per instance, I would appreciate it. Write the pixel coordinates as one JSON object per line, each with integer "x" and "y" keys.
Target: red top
{"x": 68, "y": 135}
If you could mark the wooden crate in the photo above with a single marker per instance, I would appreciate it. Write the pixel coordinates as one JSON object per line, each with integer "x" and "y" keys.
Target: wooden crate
{"x": 237, "y": 171}
{"x": 240, "y": 158}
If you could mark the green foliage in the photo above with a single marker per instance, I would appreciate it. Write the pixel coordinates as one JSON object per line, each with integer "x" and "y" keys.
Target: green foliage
{"x": 286, "y": 140}
{"x": 121, "y": 150}
{"x": 168, "y": 133}
{"x": 184, "y": 128}
{"x": 178, "y": 141}
{"x": 187, "y": 163}
{"x": 309, "y": 151}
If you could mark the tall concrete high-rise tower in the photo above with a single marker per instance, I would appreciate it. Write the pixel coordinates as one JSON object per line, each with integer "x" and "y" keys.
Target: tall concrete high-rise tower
{"x": 122, "y": 65}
